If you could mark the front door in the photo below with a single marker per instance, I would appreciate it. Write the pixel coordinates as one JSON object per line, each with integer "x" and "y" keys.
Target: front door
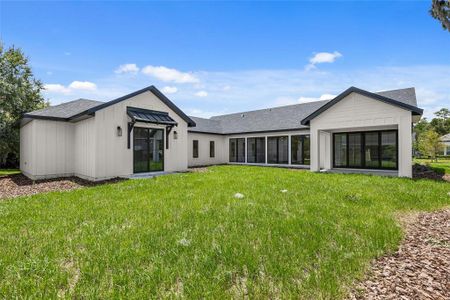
{"x": 148, "y": 148}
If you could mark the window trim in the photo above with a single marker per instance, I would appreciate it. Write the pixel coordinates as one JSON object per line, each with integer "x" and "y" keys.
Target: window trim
{"x": 363, "y": 148}
{"x": 212, "y": 149}
{"x": 195, "y": 147}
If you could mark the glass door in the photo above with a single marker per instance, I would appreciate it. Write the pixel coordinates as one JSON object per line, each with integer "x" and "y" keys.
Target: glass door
{"x": 148, "y": 149}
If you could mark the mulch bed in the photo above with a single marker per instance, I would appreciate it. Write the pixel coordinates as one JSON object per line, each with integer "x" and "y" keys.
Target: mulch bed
{"x": 20, "y": 185}
{"x": 420, "y": 269}
{"x": 425, "y": 172}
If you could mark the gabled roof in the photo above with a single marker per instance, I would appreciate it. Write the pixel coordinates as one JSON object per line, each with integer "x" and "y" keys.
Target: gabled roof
{"x": 63, "y": 111}
{"x": 445, "y": 138}
{"x": 376, "y": 96}
{"x": 79, "y": 108}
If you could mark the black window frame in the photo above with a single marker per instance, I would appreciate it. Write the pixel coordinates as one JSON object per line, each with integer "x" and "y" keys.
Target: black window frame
{"x": 255, "y": 155}
{"x": 363, "y": 148}
{"x": 278, "y": 150}
{"x": 236, "y": 150}
{"x": 195, "y": 148}
{"x": 303, "y": 137}
{"x": 212, "y": 149}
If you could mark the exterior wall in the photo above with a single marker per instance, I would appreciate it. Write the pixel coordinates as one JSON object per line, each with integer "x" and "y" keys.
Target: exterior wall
{"x": 266, "y": 135}
{"x": 221, "y": 149}
{"x": 358, "y": 113}
{"x": 48, "y": 149}
{"x": 113, "y": 158}
{"x": 27, "y": 148}
{"x": 84, "y": 145}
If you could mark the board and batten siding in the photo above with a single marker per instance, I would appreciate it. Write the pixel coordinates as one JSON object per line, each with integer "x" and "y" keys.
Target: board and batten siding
{"x": 360, "y": 113}
{"x": 84, "y": 142}
{"x": 48, "y": 149}
{"x": 204, "y": 159}
{"x": 113, "y": 158}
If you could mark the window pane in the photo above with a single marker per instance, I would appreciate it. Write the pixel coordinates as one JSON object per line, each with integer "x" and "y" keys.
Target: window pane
{"x": 340, "y": 149}
{"x": 354, "y": 150}
{"x": 260, "y": 150}
{"x": 283, "y": 150}
{"x": 272, "y": 153}
{"x": 233, "y": 150}
{"x": 371, "y": 151}
{"x": 251, "y": 150}
{"x": 212, "y": 149}
{"x": 240, "y": 150}
{"x": 195, "y": 149}
{"x": 306, "y": 151}
{"x": 389, "y": 149}
{"x": 296, "y": 150}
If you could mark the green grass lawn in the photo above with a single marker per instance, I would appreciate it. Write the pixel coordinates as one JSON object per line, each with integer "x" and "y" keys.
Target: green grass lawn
{"x": 441, "y": 164}
{"x": 186, "y": 235}
{"x": 5, "y": 172}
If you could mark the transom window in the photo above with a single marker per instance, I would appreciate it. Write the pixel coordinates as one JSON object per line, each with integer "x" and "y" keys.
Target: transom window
{"x": 368, "y": 150}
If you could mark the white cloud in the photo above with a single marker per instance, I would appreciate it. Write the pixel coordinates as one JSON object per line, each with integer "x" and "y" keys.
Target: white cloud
{"x": 127, "y": 68}
{"x": 312, "y": 99}
{"x": 201, "y": 94}
{"x": 169, "y": 75}
{"x": 56, "y": 88}
{"x": 322, "y": 57}
{"x": 83, "y": 85}
{"x": 169, "y": 89}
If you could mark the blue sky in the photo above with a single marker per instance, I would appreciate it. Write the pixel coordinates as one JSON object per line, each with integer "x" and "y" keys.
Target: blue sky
{"x": 220, "y": 57}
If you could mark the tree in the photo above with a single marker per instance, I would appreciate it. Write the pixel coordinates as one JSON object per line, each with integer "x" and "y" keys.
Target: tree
{"x": 443, "y": 113}
{"x": 441, "y": 124}
{"x": 430, "y": 144}
{"x": 420, "y": 128}
{"x": 20, "y": 92}
{"x": 440, "y": 10}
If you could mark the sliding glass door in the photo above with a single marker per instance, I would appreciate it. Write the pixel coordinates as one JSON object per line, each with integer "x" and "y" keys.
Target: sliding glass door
{"x": 148, "y": 149}
{"x": 256, "y": 150}
{"x": 368, "y": 150}
{"x": 300, "y": 150}
{"x": 237, "y": 150}
{"x": 277, "y": 150}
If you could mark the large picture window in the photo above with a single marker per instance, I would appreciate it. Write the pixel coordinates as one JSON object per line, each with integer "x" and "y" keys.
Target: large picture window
{"x": 368, "y": 150}
{"x": 277, "y": 150}
{"x": 237, "y": 150}
{"x": 256, "y": 150}
{"x": 300, "y": 150}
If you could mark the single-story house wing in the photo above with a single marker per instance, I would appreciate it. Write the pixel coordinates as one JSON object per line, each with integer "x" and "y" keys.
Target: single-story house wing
{"x": 145, "y": 132}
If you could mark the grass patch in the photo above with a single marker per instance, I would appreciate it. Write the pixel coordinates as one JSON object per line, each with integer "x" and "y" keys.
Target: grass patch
{"x": 186, "y": 235}
{"x": 6, "y": 172}
{"x": 441, "y": 166}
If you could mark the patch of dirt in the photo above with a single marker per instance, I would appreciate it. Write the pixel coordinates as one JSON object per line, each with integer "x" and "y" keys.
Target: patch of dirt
{"x": 420, "y": 269}
{"x": 198, "y": 170}
{"x": 425, "y": 172}
{"x": 74, "y": 276}
{"x": 19, "y": 185}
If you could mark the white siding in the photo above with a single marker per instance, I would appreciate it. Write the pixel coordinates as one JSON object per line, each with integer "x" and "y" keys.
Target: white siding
{"x": 358, "y": 113}
{"x": 113, "y": 158}
{"x": 47, "y": 147}
{"x": 85, "y": 141}
{"x": 221, "y": 149}
{"x": 27, "y": 148}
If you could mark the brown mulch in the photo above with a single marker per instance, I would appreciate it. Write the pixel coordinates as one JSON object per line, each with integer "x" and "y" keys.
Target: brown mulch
{"x": 420, "y": 269}
{"x": 425, "y": 172}
{"x": 19, "y": 185}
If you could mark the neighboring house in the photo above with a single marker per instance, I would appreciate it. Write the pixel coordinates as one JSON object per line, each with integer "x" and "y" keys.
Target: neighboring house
{"x": 446, "y": 141}
{"x": 358, "y": 131}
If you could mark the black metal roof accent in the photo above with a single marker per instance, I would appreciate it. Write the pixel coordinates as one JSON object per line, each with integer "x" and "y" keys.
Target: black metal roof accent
{"x": 415, "y": 110}
{"x": 150, "y": 116}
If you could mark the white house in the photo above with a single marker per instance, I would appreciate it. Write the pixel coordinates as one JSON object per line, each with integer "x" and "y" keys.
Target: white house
{"x": 358, "y": 131}
{"x": 446, "y": 141}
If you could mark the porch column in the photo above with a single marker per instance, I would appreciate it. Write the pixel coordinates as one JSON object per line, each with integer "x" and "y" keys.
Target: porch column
{"x": 314, "y": 150}
{"x": 405, "y": 147}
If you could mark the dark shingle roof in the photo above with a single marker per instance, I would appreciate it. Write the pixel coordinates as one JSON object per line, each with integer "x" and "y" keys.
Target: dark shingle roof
{"x": 281, "y": 118}
{"x": 64, "y": 110}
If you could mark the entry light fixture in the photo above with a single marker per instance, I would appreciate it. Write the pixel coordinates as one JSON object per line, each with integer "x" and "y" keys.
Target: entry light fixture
{"x": 175, "y": 135}
{"x": 119, "y": 131}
